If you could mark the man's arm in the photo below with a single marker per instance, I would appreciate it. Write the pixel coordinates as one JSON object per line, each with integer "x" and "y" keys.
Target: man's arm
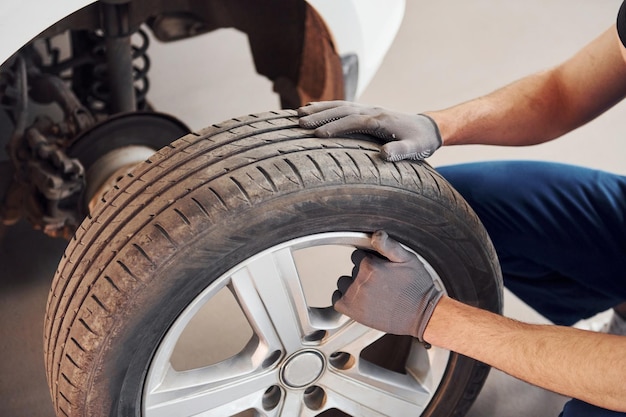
{"x": 535, "y": 109}
{"x": 542, "y": 106}
{"x": 576, "y": 363}
{"x": 395, "y": 293}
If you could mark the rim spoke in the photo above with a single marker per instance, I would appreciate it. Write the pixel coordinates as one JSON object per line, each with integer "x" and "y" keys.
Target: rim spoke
{"x": 271, "y": 296}
{"x": 211, "y": 390}
{"x": 351, "y": 338}
{"x": 288, "y": 271}
{"x": 292, "y": 405}
{"x": 381, "y": 393}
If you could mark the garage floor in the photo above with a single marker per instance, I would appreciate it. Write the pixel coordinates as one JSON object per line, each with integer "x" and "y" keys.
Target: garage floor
{"x": 446, "y": 52}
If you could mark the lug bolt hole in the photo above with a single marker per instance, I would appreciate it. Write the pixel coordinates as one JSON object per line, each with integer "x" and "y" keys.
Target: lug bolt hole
{"x": 342, "y": 360}
{"x": 316, "y": 336}
{"x": 271, "y": 398}
{"x": 314, "y": 397}
{"x": 271, "y": 359}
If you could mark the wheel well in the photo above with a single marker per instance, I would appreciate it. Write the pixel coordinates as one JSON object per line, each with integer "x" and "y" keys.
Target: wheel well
{"x": 290, "y": 42}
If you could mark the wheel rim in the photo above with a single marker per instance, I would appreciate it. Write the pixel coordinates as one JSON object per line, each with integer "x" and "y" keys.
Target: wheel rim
{"x": 298, "y": 359}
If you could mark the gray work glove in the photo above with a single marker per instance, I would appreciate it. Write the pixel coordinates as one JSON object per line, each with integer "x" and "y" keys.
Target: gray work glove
{"x": 395, "y": 295}
{"x": 408, "y": 136}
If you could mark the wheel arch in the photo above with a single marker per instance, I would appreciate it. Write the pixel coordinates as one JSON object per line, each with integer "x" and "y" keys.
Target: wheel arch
{"x": 290, "y": 43}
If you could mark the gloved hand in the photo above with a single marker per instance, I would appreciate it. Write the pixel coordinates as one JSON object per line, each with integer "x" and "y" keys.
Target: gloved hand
{"x": 395, "y": 295}
{"x": 408, "y": 136}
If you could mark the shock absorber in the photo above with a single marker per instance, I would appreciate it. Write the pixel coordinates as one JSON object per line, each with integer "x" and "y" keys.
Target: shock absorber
{"x": 110, "y": 66}
{"x": 90, "y": 71}
{"x": 119, "y": 56}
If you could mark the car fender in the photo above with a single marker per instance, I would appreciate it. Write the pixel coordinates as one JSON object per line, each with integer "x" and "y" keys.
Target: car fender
{"x": 372, "y": 29}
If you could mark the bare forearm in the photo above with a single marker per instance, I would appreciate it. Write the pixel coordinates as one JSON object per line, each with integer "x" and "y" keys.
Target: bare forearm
{"x": 584, "y": 365}
{"x": 542, "y": 106}
{"x": 518, "y": 114}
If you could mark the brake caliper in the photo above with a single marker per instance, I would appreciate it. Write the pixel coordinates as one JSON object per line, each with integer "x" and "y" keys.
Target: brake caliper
{"x": 47, "y": 184}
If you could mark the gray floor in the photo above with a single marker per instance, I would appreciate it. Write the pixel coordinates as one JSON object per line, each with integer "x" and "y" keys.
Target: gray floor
{"x": 446, "y": 52}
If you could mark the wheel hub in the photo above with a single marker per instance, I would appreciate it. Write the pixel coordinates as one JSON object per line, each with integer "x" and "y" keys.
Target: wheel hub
{"x": 302, "y": 369}
{"x": 110, "y": 149}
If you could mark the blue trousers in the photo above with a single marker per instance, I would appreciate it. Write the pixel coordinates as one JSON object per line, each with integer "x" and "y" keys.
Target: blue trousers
{"x": 560, "y": 235}
{"x": 576, "y": 408}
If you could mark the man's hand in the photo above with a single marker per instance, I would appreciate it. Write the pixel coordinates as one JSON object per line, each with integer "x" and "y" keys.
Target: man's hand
{"x": 395, "y": 295}
{"x": 409, "y": 136}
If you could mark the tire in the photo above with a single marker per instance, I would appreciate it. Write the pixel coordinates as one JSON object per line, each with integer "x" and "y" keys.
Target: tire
{"x": 201, "y": 226}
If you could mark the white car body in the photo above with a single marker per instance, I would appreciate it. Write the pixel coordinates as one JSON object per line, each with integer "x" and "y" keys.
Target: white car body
{"x": 373, "y": 25}
{"x": 370, "y": 34}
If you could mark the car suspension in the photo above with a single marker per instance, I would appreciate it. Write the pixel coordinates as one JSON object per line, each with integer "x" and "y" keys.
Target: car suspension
{"x": 60, "y": 162}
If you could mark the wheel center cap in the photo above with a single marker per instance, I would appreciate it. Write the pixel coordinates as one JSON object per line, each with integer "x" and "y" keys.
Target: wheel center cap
{"x": 302, "y": 369}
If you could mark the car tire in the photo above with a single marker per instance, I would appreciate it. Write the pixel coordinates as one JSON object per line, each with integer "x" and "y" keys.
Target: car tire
{"x": 222, "y": 211}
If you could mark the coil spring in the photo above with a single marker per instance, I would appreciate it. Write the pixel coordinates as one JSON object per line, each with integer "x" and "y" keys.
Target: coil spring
{"x": 99, "y": 93}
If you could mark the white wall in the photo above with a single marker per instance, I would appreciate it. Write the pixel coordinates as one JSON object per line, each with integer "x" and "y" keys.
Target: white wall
{"x": 449, "y": 51}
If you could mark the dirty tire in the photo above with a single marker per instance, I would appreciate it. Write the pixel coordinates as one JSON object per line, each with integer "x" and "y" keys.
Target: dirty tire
{"x": 216, "y": 198}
